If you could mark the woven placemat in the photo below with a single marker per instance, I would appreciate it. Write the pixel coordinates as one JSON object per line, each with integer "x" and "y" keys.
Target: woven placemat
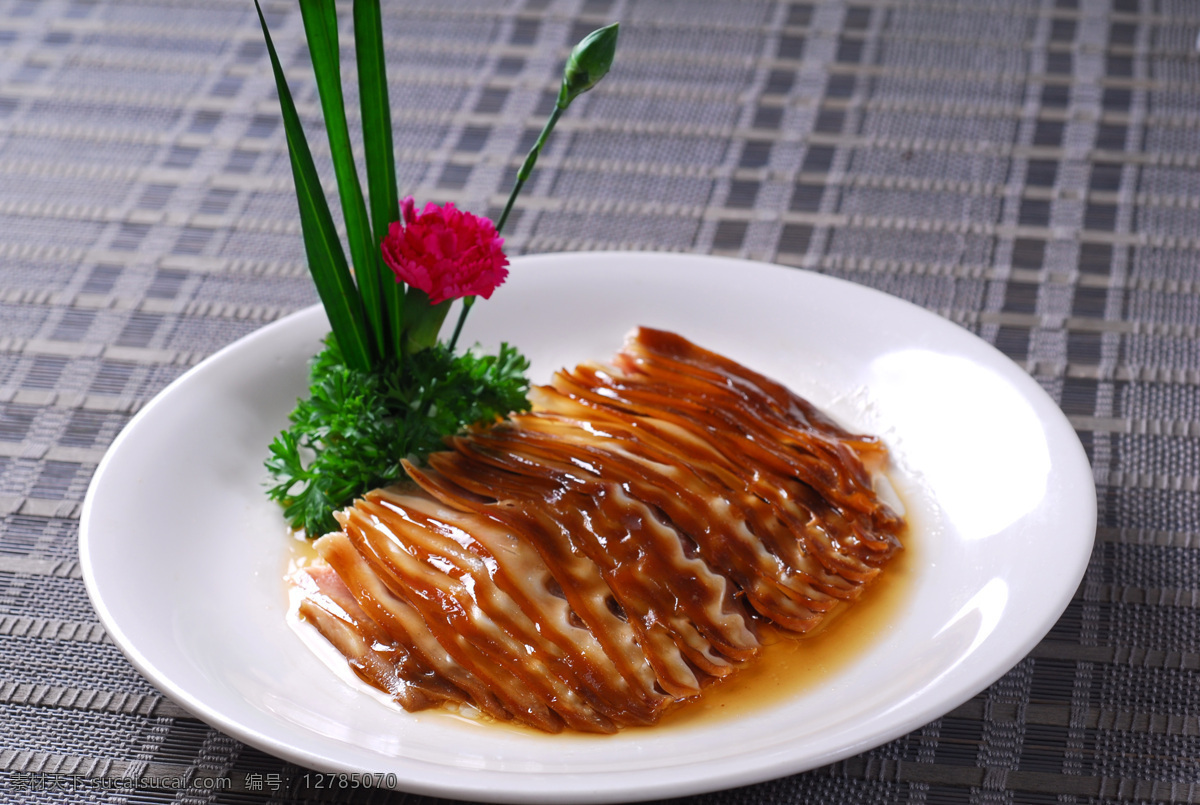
{"x": 1026, "y": 168}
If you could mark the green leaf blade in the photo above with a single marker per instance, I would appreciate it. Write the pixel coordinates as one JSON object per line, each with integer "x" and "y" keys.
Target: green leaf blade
{"x": 376, "y": 116}
{"x": 379, "y": 151}
{"x": 326, "y": 260}
{"x": 320, "y": 27}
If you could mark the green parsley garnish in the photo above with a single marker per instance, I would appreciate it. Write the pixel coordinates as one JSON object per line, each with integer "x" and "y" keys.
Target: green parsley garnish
{"x": 354, "y": 428}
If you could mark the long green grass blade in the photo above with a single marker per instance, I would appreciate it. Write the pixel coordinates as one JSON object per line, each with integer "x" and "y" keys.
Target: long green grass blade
{"x": 377, "y": 143}
{"x": 320, "y": 26}
{"x": 326, "y": 260}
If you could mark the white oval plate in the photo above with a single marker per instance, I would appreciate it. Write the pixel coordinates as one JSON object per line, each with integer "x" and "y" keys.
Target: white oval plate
{"x": 183, "y": 554}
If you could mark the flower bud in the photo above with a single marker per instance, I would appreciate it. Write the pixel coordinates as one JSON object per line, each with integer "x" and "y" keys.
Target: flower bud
{"x": 588, "y": 63}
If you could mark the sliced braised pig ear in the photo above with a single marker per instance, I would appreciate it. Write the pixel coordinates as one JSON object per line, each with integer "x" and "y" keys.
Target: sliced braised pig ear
{"x": 603, "y": 558}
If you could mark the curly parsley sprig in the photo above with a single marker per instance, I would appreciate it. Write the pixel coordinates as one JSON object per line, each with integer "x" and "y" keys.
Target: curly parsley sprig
{"x": 351, "y": 432}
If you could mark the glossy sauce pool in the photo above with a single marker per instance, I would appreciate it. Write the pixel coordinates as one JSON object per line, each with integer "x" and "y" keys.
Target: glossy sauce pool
{"x": 786, "y": 667}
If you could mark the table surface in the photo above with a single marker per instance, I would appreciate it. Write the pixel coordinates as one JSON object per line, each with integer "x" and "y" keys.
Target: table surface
{"x": 1025, "y": 168}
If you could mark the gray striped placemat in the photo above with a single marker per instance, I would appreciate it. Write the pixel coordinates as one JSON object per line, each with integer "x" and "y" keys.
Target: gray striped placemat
{"x": 1026, "y": 168}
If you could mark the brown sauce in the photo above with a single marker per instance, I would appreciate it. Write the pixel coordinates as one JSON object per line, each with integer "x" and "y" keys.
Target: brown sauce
{"x": 788, "y": 666}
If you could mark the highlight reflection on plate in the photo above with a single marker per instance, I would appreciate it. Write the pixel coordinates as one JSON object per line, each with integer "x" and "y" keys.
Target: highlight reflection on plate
{"x": 182, "y": 553}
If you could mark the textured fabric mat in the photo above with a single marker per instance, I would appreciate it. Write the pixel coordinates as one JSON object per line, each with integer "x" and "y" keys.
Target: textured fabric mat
{"x": 1026, "y": 168}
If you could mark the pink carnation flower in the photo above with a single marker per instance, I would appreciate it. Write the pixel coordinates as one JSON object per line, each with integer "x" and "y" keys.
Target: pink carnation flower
{"x": 445, "y": 252}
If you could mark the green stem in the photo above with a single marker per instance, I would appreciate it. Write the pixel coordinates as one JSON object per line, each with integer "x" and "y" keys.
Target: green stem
{"x": 522, "y": 175}
{"x": 462, "y": 317}
{"x": 527, "y": 167}
{"x": 511, "y": 198}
